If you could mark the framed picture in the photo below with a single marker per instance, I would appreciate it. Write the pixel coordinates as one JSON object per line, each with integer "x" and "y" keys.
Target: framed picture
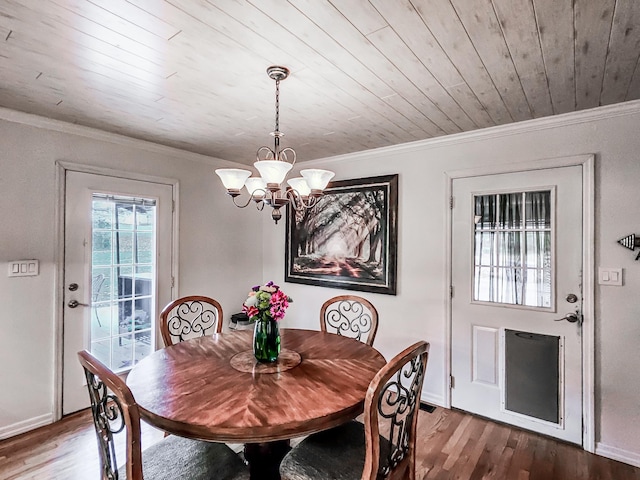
{"x": 348, "y": 239}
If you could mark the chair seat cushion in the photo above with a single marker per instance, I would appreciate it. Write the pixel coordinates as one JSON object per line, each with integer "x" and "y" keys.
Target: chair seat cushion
{"x": 336, "y": 454}
{"x": 181, "y": 458}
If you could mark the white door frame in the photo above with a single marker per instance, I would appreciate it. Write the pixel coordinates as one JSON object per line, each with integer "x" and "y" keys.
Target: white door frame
{"x": 58, "y": 294}
{"x": 587, "y": 161}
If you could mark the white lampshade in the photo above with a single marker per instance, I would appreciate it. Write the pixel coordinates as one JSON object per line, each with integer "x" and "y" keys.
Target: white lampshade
{"x": 300, "y": 185}
{"x": 233, "y": 178}
{"x": 317, "y": 179}
{"x": 273, "y": 171}
{"x": 256, "y": 186}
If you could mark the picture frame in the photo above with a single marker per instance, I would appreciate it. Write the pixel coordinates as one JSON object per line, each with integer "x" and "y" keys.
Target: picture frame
{"x": 349, "y": 239}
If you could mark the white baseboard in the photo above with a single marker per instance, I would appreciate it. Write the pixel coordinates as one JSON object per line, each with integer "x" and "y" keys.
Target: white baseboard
{"x": 432, "y": 399}
{"x": 25, "y": 426}
{"x": 614, "y": 453}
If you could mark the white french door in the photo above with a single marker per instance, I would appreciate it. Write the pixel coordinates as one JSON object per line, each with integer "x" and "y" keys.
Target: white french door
{"x": 516, "y": 307}
{"x": 117, "y": 273}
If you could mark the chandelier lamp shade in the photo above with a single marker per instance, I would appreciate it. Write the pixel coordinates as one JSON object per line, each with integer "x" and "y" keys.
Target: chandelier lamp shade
{"x": 273, "y": 165}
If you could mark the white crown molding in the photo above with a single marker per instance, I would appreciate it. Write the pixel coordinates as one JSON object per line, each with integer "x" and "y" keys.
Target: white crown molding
{"x": 537, "y": 124}
{"x": 45, "y": 123}
{"x": 565, "y": 119}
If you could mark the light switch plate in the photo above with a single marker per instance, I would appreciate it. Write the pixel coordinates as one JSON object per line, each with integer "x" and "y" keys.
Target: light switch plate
{"x": 610, "y": 276}
{"x": 24, "y": 268}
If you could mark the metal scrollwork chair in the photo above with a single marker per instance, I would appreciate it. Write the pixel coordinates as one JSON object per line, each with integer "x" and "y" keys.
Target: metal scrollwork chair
{"x": 350, "y": 316}
{"x": 382, "y": 448}
{"x": 115, "y": 410}
{"x": 189, "y": 317}
{"x": 97, "y": 282}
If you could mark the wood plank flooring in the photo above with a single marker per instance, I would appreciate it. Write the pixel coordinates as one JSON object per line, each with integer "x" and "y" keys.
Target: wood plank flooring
{"x": 67, "y": 450}
{"x": 456, "y": 445}
{"x": 451, "y": 445}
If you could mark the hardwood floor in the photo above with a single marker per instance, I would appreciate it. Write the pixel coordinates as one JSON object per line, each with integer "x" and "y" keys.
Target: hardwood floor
{"x": 66, "y": 450}
{"x": 455, "y": 445}
{"x": 451, "y": 445}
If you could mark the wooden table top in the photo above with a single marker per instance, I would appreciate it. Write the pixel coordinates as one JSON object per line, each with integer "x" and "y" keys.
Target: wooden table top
{"x": 192, "y": 389}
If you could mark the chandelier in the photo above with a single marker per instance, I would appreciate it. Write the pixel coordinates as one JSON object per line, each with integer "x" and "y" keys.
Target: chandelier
{"x": 273, "y": 165}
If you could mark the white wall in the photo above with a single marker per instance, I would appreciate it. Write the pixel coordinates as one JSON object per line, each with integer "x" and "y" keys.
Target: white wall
{"x": 418, "y": 310}
{"x": 220, "y": 249}
{"x": 216, "y": 256}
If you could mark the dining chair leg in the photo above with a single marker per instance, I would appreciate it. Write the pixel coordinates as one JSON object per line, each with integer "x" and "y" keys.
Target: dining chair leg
{"x": 264, "y": 459}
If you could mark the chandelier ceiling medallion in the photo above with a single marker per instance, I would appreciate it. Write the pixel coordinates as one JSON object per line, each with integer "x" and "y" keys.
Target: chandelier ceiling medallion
{"x": 273, "y": 165}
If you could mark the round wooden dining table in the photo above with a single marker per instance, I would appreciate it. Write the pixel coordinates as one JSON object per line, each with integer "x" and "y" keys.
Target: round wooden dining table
{"x": 211, "y": 388}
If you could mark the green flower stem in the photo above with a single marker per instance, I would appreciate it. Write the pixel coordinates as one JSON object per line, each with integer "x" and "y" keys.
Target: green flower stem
{"x": 266, "y": 340}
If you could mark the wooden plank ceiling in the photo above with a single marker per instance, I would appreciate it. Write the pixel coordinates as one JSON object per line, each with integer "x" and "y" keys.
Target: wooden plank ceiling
{"x": 365, "y": 73}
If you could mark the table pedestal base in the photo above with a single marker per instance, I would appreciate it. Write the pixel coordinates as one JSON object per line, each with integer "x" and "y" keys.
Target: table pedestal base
{"x": 264, "y": 459}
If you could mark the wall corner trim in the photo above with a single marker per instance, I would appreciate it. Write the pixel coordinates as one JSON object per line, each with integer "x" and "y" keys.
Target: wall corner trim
{"x": 25, "y": 425}
{"x": 619, "y": 454}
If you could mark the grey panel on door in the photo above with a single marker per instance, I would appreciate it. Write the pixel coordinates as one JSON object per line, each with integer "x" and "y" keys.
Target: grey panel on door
{"x": 532, "y": 374}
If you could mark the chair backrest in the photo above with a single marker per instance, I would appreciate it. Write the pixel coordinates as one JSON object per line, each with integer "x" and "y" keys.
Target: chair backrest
{"x": 351, "y": 316}
{"x": 97, "y": 281}
{"x": 114, "y": 410}
{"x": 190, "y": 317}
{"x": 391, "y": 411}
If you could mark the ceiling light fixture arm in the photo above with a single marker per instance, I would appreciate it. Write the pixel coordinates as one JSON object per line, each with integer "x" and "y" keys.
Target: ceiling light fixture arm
{"x": 255, "y": 196}
{"x": 278, "y": 199}
{"x": 302, "y": 202}
{"x": 273, "y": 166}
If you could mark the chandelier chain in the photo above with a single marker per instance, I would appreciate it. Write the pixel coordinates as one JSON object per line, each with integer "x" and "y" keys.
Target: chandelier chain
{"x": 267, "y": 189}
{"x": 277, "y": 106}
{"x": 276, "y": 133}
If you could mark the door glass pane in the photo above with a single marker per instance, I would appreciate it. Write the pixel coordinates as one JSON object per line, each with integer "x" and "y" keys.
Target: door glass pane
{"x": 538, "y": 209}
{"x": 484, "y": 248}
{"x": 508, "y": 249}
{"x": 537, "y": 288}
{"x": 482, "y": 291}
{"x": 485, "y": 212}
{"x": 509, "y": 210}
{"x": 512, "y": 250}
{"x": 498, "y": 211}
{"x": 123, "y": 279}
{"x": 123, "y": 242}
{"x": 538, "y": 249}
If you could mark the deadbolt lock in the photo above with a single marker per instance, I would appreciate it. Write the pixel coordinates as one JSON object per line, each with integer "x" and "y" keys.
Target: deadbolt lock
{"x": 571, "y": 298}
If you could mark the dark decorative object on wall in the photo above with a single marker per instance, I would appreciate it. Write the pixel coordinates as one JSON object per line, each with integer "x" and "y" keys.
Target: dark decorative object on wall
{"x": 631, "y": 242}
{"x": 348, "y": 240}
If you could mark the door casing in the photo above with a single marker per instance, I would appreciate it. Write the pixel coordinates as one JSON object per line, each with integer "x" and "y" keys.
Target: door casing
{"x": 61, "y": 168}
{"x": 587, "y": 161}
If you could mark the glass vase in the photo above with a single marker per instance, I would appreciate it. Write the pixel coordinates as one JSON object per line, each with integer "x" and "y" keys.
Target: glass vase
{"x": 266, "y": 340}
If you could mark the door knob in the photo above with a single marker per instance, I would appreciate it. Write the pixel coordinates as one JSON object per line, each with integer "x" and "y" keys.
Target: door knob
{"x": 570, "y": 317}
{"x": 75, "y": 303}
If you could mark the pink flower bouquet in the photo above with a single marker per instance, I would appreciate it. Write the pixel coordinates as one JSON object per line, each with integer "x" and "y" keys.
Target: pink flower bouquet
{"x": 266, "y": 302}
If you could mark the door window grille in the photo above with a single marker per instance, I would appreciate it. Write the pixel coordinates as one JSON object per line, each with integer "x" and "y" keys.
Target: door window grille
{"x": 123, "y": 279}
{"x": 513, "y": 248}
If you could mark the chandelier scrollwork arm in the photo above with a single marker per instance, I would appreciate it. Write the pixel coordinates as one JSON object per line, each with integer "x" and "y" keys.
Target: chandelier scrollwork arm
{"x": 288, "y": 151}
{"x": 273, "y": 166}
{"x": 257, "y": 196}
{"x": 302, "y": 202}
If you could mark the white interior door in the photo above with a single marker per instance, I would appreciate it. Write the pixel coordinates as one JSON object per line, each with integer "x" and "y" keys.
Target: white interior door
{"x": 118, "y": 273}
{"x": 516, "y": 270}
